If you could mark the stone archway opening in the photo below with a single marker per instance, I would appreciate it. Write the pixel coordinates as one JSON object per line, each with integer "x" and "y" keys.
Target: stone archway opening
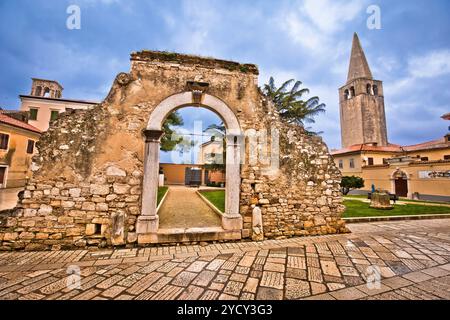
{"x": 191, "y": 168}
{"x": 148, "y": 224}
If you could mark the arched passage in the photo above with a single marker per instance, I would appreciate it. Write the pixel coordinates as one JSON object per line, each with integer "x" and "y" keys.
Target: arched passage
{"x": 148, "y": 222}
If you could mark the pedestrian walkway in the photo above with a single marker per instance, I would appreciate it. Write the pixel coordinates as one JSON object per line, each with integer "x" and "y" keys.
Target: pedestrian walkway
{"x": 183, "y": 208}
{"x": 411, "y": 260}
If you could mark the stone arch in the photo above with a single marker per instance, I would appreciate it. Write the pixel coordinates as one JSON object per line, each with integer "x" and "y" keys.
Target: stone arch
{"x": 148, "y": 222}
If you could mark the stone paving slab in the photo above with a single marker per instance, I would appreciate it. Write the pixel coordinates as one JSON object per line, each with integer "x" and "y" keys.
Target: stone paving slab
{"x": 411, "y": 260}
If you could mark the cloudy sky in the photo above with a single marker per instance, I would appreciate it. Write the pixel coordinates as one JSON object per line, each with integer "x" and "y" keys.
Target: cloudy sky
{"x": 307, "y": 40}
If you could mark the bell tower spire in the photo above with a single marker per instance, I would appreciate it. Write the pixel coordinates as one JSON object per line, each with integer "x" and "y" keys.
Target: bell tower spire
{"x": 359, "y": 68}
{"x": 361, "y": 100}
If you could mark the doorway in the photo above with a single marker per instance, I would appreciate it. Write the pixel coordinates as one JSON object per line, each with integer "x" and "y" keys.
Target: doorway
{"x": 401, "y": 187}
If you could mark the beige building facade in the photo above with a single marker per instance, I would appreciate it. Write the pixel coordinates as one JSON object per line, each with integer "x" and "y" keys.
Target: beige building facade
{"x": 420, "y": 171}
{"x": 17, "y": 147}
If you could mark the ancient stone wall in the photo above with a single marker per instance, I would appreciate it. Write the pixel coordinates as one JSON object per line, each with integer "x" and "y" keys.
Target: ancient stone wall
{"x": 87, "y": 185}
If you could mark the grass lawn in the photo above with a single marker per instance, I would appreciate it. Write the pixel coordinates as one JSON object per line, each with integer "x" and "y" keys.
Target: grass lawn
{"x": 357, "y": 208}
{"x": 161, "y": 192}
{"x": 354, "y": 196}
{"x": 216, "y": 197}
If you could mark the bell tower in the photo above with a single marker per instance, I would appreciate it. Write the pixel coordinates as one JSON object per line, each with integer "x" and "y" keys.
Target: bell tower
{"x": 46, "y": 88}
{"x": 361, "y": 100}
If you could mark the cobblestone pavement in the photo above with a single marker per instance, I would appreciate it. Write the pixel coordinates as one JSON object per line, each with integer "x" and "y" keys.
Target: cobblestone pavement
{"x": 413, "y": 258}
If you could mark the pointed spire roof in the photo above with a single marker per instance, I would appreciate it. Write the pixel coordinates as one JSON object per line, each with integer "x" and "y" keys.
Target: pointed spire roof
{"x": 359, "y": 68}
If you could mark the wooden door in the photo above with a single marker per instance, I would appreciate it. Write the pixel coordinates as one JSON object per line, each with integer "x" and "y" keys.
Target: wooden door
{"x": 401, "y": 187}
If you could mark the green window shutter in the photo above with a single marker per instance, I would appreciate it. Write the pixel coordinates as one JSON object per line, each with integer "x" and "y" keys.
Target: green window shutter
{"x": 33, "y": 114}
{"x": 54, "y": 115}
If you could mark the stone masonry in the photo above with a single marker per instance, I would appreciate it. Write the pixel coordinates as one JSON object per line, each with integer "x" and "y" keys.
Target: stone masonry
{"x": 87, "y": 184}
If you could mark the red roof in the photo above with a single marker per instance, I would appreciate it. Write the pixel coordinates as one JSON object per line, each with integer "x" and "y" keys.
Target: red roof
{"x": 16, "y": 123}
{"x": 435, "y": 144}
{"x": 446, "y": 116}
{"x": 364, "y": 147}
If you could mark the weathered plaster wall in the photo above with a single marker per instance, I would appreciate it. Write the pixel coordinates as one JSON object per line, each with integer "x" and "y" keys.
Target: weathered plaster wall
{"x": 86, "y": 189}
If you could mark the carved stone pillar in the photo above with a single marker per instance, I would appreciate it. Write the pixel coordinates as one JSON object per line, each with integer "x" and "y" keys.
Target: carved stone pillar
{"x": 148, "y": 222}
{"x": 232, "y": 220}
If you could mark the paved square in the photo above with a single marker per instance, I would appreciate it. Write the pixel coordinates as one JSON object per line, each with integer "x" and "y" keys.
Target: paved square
{"x": 411, "y": 258}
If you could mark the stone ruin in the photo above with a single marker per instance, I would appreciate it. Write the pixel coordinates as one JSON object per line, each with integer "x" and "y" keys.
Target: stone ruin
{"x": 94, "y": 175}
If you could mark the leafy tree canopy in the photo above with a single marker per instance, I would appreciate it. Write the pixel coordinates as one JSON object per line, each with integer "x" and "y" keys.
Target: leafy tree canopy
{"x": 350, "y": 183}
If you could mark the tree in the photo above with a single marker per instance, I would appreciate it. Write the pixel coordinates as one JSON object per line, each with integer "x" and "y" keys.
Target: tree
{"x": 290, "y": 103}
{"x": 168, "y": 143}
{"x": 350, "y": 183}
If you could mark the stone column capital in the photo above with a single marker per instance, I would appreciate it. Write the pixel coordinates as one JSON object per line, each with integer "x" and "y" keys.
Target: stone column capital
{"x": 153, "y": 135}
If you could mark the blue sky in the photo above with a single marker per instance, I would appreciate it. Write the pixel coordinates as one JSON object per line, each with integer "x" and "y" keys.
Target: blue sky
{"x": 307, "y": 40}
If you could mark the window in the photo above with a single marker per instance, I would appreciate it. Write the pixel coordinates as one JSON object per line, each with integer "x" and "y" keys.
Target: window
{"x": 369, "y": 88}
{"x": 352, "y": 163}
{"x": 370, "y": 161}
{"x": 346, "y": 95}
{"x": 424, "y": 159}
{"x": 385, "y": 161}
{"x": 352, "y": 92}
{"x": 447, "y": 157}
{"x": 30, "y": 147}
{"x": 54, "y": 115}
{"x": 341, "y": 164}
{"x": 375, "y": 90}
{"x": 38, "y": 91}
{"x": 4, "y": 140}
{"x": 33, "y": 113}
{"x": 46, "y": 92}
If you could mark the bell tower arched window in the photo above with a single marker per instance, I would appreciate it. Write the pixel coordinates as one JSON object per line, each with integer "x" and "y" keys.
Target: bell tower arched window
{"x": 346, "y": 95}
{"x": 38, "y": 91}
{"x": 352, "y": 92}
{"x": 369, "y": 89}
{"x": 375, "y": 90}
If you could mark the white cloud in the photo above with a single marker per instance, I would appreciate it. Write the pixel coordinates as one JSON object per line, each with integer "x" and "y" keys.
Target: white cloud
{"x": 430, "y": 65}
{"x": 192, "y": 29}
{"x": 329, "y": 16}
{"x": 314, "y": 23}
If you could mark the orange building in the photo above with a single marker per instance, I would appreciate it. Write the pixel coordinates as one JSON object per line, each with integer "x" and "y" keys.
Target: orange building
{"x": 17, "y": 147}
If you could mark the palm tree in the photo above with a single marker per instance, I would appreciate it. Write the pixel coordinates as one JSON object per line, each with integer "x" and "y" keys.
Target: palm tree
{"x": 289, "y": 103}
